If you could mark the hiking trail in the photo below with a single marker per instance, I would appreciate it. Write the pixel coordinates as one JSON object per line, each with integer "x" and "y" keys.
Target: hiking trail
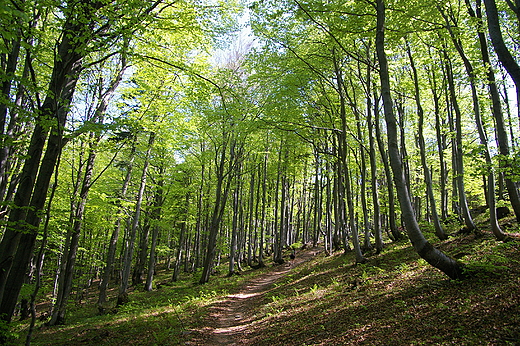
{"x": 229, "y": 318}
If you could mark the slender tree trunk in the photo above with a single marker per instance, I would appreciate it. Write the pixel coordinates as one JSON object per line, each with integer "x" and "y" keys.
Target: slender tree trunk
{"x": 503, "y": 53}
{"x": 367, "y": 245}
{"x": 459, "y": 155}
{"x": 129, "y": 251}
{"x": 373, "y": 166}
{"x": 142, "y": 255}
{"x": 317, "y": 198}
{"x": 343, "y": 150}
{"x": 180, "y": 251}
{"x": 439, "y": 231}
{"x": 39, "y": 259}
{"x": 263, "y": 212}
{"x": 234, "y": 231}
{"x": 514, "y": 71}
{"x": 441, "y": 146}
{"x": 394, "y": 230}
{"x": 221, "y": 195}
{"x": 112, "y": 247}
{"x": 156, "y": 217}
{"x": 432, "y": 255}
{"x": 67, "y": 272}
{"x": 18, "y": 241}
{"x": 279, "y": 209}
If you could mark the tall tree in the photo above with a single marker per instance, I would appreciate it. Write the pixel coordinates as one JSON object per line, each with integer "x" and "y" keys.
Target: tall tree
{"x": 432, "y": 255}
{"x": 439, "y": 231}
{"x": 511, "y": 65}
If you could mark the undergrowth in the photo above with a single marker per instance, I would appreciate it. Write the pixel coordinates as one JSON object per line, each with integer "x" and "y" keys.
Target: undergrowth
{"x": 395, "y": 298}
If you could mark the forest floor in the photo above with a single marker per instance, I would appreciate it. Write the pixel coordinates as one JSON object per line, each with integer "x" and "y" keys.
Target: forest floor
{"x": 395, "y": 298}
{"x": 230, "y": 318}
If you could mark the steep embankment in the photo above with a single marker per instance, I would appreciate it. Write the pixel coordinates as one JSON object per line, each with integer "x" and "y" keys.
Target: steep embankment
{"x": 395, "y": 299}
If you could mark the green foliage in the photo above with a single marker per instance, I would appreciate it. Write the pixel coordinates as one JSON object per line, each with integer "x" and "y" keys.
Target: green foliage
{"x": 7, "y": 335}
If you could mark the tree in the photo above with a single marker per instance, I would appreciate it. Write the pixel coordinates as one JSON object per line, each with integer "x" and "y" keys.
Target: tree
{"x": 432, "y": 255}
{"x": 513, "y": 69}
{"x": 18, "y": 240}
{"x": 439, "y": 231}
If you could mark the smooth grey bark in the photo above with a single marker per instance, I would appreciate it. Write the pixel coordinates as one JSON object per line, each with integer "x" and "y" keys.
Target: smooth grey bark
{"x": 343, "y": 154}
{"x": 504, "y": 55}
{"x": 180, "y": 250}
{"x": 513, "y": 69}
{"x": 224, "y": 178}
{"x": 439, "y": 231}
{"x": 252, "y": 216}
{"x": 367, "y": 245}
{"x": 111, "y": 254}
{"x": 142, "y": 254}
{"x": 373, "y": 165}
{"x": 199, "y": 223}
{"x": 490, "y": 190}
{"x": 129, "y": 251}
{"x": 155, "y": 217}
{"x": 40, "y": 258}
{"x": 497, "y": 113}
{"x": 72, "y": 244}
{"x": 8, "y": 71}
{"x": 183, "y": 246}
{"x": 441, "y": 145}
{"x": 317, "y": 200}
{"x": 79, "y": 203}
{"x": 279, "y": 208}
{"x": 328, "y": 210}
{"x": 432, "y": 255}
{"x": 457, "y": 150}
{"x": 394, "y": 230}
{"x": 263, "y": 226}
{"x": 234, "y": 231}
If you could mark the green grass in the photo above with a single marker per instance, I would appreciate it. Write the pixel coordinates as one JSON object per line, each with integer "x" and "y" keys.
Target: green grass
{"x": 394, "y": 299}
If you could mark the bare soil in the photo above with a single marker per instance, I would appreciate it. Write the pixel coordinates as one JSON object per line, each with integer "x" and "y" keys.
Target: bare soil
{"x": 229, "y": 319}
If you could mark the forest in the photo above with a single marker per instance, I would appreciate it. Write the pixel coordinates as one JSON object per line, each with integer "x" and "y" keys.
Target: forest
{"x": 162, "y": 155}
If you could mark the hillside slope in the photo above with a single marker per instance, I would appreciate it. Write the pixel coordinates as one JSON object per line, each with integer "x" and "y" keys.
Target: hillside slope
{"x": 394, "y": 299}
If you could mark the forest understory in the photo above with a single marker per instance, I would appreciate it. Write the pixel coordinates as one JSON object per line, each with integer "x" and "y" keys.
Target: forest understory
{"x": 395, "y": 298}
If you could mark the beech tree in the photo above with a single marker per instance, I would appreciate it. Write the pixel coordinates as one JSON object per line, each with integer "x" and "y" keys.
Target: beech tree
{"x": 511, "y": 65}
{"x": 432, "y": 255}
{"x": 81, "y": 33}
{"x": 172, "y": 141}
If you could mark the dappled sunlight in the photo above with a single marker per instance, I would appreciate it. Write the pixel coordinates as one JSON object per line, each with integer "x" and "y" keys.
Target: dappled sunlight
{"x": 395, "y": 298}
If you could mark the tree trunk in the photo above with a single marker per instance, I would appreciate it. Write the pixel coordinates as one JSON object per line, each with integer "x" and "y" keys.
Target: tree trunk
{"x": 129, "y": 251}
{"x": 458, "y": 153}
{"x": 67, "y": 272}
{"x": 234, "y": 231}
{"x": 221, "y": 195}
{"x": 17, "y": 243}
{"x": 490, "y": 193}
{"x": 373, "y": 166}
{"x": 432, "y": 255}
{"x": 513, "y": 69}
{"x": 155, "y": 217}
{"x": 394, "y": 230}
{"x": 112, "y": 247}
{"x": 439, "y": 231}
{"x": 142, "y": 255}
{"x": 441, "y": 145}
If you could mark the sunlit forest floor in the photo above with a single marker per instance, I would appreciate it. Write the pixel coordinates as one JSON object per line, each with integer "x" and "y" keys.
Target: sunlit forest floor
{"x": 394, "y": 299}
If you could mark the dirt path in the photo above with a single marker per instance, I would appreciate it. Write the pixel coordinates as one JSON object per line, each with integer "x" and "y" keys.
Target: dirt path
{"x": 231, "y": 316}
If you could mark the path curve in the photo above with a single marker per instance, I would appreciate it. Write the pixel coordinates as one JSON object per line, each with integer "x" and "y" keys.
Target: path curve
{"x": 230, "y": 317}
